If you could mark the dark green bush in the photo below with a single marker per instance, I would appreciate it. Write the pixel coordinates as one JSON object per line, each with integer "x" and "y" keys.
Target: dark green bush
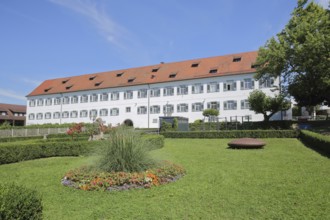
{"x": 17, "y": 202}
{"x": 156, "y": 141}
{"x": 234, "y": 134}
{"x": 12, "y": 152}
{"x": 12, "y": 139}
{"x": 315, "y": 141}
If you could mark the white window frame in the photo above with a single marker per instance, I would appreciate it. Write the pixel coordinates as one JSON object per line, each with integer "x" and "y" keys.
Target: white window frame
{"x": 245, "y": 104}
{"x": 104, "y": 97}
{"x": 182, "y": 90}
{"x": 168, "y": 109}
{"x": 39, "y": 116}
{"x": 128, "y": 109}
{"x": 182, "y": 107}
{"x": 230, "y": 105}
{"x": 128, "y": 94}
{"x": 213, "y": 87}
{"x": 31, "y": 116}
{"x": 74, "y": 114}
{"x": 114, "y": 111}
{"x": 142, "y": 93}
{"x": 197, "y": 107}
{"x": 74, "y": 99}
{"x": 94, "y": 98}
{"x": 48, "y": 115}
{"x": 114, "y": 96}
{"x": 155, "y": 109}
{"x": 32, "y": 103}
{"x": 168, "y": 91}
{"x": 83, "y": 98}
{"x": 93, "y": 113}
{"x": 57, "y": 101}
{"x": 230, "y": 85}
{"x": 65, "y": 114}
{"x": 267, "y": 82}
{"x": 197, "y": 88}
{"x": 213, "y": 105}
{"x": 56, "y": 115}
{"x": 104, "y": 112}
{"x": 247, "y": 84}
{"x": 66, "y": 100}
{"x": 83, "y": 114}
{"x": 155, "y": 92}
{"x": 48, "y": 101}
{"x": 142, "y": 110}
{"x": 40, "y": 102}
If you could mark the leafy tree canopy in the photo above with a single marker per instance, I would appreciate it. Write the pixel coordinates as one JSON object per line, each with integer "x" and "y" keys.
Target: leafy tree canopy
{"x": 300, "y": 54}
{"x": 266, "y": 105}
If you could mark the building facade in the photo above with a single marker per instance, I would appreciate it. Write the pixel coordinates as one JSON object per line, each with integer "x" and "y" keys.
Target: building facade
{"x": 139, "y": 96}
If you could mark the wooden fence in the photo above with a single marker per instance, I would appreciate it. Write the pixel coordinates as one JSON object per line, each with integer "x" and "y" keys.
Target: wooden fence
{"x": 31, "y": 132}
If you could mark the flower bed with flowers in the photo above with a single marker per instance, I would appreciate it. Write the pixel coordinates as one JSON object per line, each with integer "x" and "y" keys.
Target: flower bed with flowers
{"x": 88, "y": 178}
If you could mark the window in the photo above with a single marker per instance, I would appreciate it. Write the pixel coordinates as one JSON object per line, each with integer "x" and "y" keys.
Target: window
{"x": 182, "y": 90}
{"x": 131, "y": 80}
{"x": 98, "y": 83}
{"x": 40, "y": 102}
{"x": 115, "y": 96}
{"x": 114, "y": 111}
{"x": 65, "y": 114}
{"x": 194, "y": 65}
{"x": 93, "y": 113}
{"x": 247, "y": 117}
{"x": 245, "y": 104}
{"x": 48, "y": 115}
{"x": 230, "y": 105}
{"x": 68, "y": 87}
{"x": 172, "y": 75}
{"x": 198, "y": 107}
{"x": 155, "y": 92}
{"x": 74, "y": 99}
{"x": 57, "y": 101}
{"x": 128, "y": 109}
{"x": 183, "y": 107}
{"x": 237, "y": 59}
{"x": 92, "y": 77}
{"x": 32, "y": 103}
{"x": 66, "y": 100}
{"x": 213, "y": 71}
{"x": 229, "y": 85}
{"x": 168, "y": 91}
{"x": 197, "y": 88}
{"x": 74, "y": 114}
{"x": 31, "y": 116}
{"x": 104, "y": 112}
{"x": 39, "y": 116}
{"x": 142, "y": 93}
{"x": 3, "y": 113}
{"x": 83, "y": 113}
{"x": 141, "y": 110}
{"x": 154, "y": 109}
{"x": 104, "y": 97}
{"x": 94, "y": 97}
{"x": 213, "y": 105}
{"x": 247, "y": 84}
{"x": 155, "y": 69}
{"x": 168, "y": 109}
{"x": 46, "y": 90}
{"x": 266, "y": 83}
{"x": 119, "y": 74}
{"x": 65, "y": 81}
{"x": 48, "y": 101}
{"x": 128, "y": 94}
{"x": 213, "y": 87}
{"x": 56, "y": 115}
{"x": 84, "y": 99}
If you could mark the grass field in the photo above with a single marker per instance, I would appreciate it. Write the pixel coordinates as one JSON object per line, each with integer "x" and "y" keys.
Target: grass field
{"x": 283, "y": 181}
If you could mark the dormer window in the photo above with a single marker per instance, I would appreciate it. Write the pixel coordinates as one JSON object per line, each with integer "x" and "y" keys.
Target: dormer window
{"x": 194, "y": 65}
{"x": 46, "y": 90}
{"x": 213, "y": 71}
{"x": 237, "y": 59}
{"x": 120, "y": 74}
{"x": 92, "y": 77}
{"x": 155, "y": 69}
{"x": 65, "y": 81}
{"x": 68, "y": 87}
{"x": 172, "y": 75}
{"x": 254, "y": 66}
{"x": 98, "y": 83}
{"x": 153, "y": 76}
{"x": 131, "y": 80}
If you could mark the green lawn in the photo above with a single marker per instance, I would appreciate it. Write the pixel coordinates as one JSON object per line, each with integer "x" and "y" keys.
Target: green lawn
{"x": 283, "y": 181}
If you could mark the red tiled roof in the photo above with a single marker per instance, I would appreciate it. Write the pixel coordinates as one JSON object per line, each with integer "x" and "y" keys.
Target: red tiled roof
{"x": 158, "y": 73}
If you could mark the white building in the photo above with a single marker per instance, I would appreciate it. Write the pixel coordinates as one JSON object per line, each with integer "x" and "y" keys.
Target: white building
{"x": 141, "y": 95}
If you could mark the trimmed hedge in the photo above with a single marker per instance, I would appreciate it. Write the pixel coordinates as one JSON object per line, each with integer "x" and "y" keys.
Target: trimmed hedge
{"x": 156, "y": 141}
{"x": 12, "y": 139}
{"x": 234, "y": 134}
{"x": 315, "y": 140}
{"x": 12, "y": 152}
{"x": 18, "y": 202}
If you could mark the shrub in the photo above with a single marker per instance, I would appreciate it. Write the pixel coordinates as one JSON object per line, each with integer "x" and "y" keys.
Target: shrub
{"x": 17, "y": 202}
{"x": 234, "y": 134}
{"x": 125, "y": 151}
{"x": 156, "y": 141}
{"x": 316, "y": 141}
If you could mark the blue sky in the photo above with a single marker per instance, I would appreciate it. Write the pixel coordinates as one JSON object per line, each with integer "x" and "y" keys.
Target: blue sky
{"x": 45, "y": 39}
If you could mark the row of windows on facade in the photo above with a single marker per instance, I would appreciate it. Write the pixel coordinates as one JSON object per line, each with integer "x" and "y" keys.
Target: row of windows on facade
{"x": 155, "y": 92}
{"x": 154, "y": 109}
{"x": 15, "y": 113}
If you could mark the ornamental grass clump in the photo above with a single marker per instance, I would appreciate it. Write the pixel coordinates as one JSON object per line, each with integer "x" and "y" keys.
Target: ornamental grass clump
{"x": 125, "y": 151}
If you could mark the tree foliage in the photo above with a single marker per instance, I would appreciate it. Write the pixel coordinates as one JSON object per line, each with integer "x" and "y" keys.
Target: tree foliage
{"x": 300, "y": 54}
{"x": 211, "y": 114}
{"x": 266, "y": 105}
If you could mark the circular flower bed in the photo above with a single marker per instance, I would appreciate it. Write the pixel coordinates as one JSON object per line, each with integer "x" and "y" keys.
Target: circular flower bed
{"x": 88, "y": 178}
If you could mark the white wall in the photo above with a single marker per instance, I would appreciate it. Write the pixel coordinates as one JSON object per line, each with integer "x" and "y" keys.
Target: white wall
{"x": 142, "y": 121}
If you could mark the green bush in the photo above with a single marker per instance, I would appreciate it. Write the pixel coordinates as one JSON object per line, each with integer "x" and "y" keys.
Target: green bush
{"x": 315, "y": 141}
{"x": 12, "y": 152}
{"x": 17, "y": 202}
{"x": 156, "y": 141}
{"x": 125, "y": 151}
{"x": 234, "y": 134}
{"x": 12, "y": 139}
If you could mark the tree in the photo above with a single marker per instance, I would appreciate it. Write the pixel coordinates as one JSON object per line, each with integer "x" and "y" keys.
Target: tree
{"x": 210, "y": 113}
{"x": 300, "y": 55}
{"x": 266, "y": 105}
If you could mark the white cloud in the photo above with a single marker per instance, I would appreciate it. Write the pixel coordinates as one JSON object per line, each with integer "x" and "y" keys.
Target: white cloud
{"x": 324, "y": 3}
{"x": 11, "y": 94}
{"x": 31, "y": 81}
{"x": 96, "y": 14}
